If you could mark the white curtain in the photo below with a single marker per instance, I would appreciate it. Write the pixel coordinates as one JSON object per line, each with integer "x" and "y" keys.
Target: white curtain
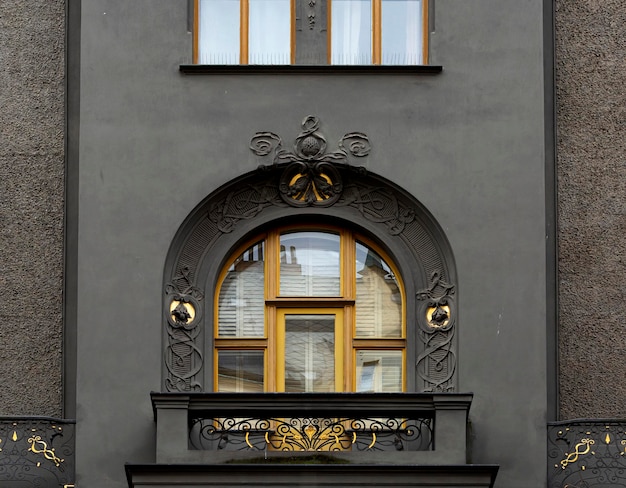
{"x": 402, "y": 32}
{"x": 269, "y": 32}
{"x": 218, "y": 41}
{"x": 351, "y": 37}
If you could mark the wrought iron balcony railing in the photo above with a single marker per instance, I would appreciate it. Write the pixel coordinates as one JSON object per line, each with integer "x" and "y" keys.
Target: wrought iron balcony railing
{"x": 308, "y": 433}
{"x": 587, "y": 453}
{"x": 394, "y": 428}
{"x": 36, "y": 451}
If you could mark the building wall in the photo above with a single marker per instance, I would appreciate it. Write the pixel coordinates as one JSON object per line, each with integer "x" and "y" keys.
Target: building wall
{"x": 591, "y": 150}
{"x": 590, "y": 48}
{"x": 469, "y": 144}
{"x": 31, "y": 205}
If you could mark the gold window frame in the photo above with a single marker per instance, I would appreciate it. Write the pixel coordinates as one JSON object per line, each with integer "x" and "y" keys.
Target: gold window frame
{"x": 347, "y": 344}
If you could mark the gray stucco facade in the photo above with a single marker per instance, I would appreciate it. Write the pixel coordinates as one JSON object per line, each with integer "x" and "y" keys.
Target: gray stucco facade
{"x": 468, "y": 143}
{"x": 145, "y": 144}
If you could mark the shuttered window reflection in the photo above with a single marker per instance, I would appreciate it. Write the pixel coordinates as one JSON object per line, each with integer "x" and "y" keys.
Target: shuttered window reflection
{"x": 309, "y": 309}
{"x": 242, "y": 296}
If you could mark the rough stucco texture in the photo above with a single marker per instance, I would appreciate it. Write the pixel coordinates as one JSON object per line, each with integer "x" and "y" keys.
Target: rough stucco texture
{"x": 31, "y": 205}
{"x": 591, "y": 128}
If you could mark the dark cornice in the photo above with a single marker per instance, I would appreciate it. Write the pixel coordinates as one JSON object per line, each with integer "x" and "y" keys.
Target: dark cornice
{"x": 299, "y": 69}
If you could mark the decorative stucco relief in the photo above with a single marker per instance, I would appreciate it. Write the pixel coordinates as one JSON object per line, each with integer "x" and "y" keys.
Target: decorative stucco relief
{"x": 308, "y": 176}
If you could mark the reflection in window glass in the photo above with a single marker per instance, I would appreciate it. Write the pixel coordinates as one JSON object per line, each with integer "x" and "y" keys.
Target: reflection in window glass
{"x": 218, "y": 41}
{"x": 309, "y": 353}
{"x": 379, "y": 371}
{"x": 401, "y": 31}
{"x": 240, "y": 371}
{"x": 309, "y": 264}
{"x": 242, "y": 296}
{"x": 270, "y": 32}
{"x": 378, "y": 297}
{"x": 351, "y": 39}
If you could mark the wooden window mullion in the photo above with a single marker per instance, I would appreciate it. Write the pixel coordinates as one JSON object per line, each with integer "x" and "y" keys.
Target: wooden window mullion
{"x": 243, "y": 31}
{"x": 376, "y": 31}
{"x": 425, "y": 31}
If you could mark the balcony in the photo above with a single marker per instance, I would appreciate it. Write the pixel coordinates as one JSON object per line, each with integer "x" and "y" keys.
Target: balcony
{"x": 36, "y": 451}
{"x": 587, "y": 452}
{"x": 306, "y": 439}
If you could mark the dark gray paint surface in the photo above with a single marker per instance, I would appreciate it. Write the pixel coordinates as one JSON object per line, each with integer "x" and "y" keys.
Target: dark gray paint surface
{"x": 469, "y": 144}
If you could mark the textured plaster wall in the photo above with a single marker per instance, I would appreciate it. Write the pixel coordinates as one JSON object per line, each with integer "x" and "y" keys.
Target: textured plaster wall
{"x": 591, "y": 131}
{"x": 31, "y": 205}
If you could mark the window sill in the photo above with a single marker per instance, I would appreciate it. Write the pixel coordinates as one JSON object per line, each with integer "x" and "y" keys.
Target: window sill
{"x": 298, "y": 69}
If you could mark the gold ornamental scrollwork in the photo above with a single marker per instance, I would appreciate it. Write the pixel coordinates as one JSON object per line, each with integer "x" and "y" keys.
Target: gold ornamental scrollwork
{"x": 39, "y": 446}
{"x": 573, "y": 456}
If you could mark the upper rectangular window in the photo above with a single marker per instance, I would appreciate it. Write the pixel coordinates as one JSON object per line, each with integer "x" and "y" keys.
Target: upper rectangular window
{"x": 339, "y": 32}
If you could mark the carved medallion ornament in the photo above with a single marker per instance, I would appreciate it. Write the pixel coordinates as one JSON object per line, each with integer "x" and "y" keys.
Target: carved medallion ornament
{"x": 307, "y": 178}
{"x": 311, "y": 178}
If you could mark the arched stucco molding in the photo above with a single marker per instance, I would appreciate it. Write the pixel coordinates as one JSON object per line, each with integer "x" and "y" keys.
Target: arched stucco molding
{"x": 368, "y": 203}
{"x": 309, "y": 183}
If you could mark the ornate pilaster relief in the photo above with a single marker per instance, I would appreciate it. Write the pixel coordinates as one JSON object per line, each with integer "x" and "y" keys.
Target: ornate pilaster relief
{"x": 436, "y": 316}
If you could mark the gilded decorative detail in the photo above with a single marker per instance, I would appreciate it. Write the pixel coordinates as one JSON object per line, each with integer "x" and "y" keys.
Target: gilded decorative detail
{"x": 436, "y": 364}
{"x": 573, "y": 457}
{"x": 587, "y": 453}
{"x": 311, "y": 434}
{"x": 306, "y": 176}
{"x": 37, "y": 452}
{"x": 183, "y": 353}
{"x": 38, "y": 446}
{"x": 311, "y": 177}
{"x": 182, "y": 312}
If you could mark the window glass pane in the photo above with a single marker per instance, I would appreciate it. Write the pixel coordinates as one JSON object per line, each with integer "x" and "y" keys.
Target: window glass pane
{"x": 379, "y": 371}
{"x": 309, "y": 353}
{"x": 402, "y": 31}
{"x": 240, "y": 371}
{"x": 241, "y": 305}
{"x": 309, "y": 264}
{"x": 269, "y": 32}
{"x": 218, "y": 32}
{"x": 378, "y": 297}
{"x": 351, "y": 37}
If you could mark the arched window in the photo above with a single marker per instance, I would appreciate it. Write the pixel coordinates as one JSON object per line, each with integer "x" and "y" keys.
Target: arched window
{"x": 310, "y": 274}
{"x": 309, "y": 309}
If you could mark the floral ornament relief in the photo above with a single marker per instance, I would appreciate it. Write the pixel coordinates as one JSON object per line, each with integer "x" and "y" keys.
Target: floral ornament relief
{"x": 311, "y": 177}
{"x": 184, "y": 356}
{"x": 436, "y": 364}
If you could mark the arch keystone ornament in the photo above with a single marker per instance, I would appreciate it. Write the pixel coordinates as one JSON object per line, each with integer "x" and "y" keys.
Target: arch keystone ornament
{"x": 311, "y": 178}
{"x": 308, "y": 183}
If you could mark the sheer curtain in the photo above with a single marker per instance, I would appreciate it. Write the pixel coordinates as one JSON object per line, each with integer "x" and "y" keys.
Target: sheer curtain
{"x": 218, "y": 33}
{"x": 401, "y": 26}
{"x": 269, "y": 32}
{"x": 402, "y": 32}
{"x": 351, "y": 39}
